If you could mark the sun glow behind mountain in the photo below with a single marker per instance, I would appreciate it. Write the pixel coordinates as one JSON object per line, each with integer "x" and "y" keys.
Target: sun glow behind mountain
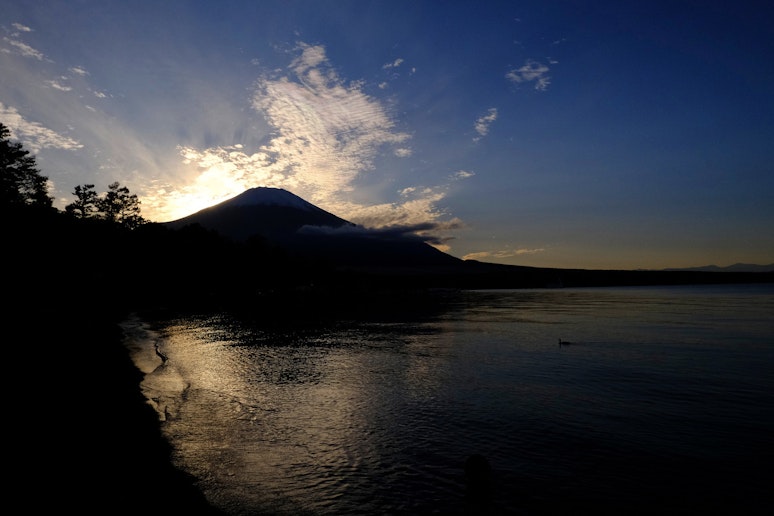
{"x": 326, "y": 136}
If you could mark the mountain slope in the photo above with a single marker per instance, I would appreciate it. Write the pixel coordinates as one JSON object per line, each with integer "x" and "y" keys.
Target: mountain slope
{"x": 272, "y": 213}
{"x": 289, "y": 221}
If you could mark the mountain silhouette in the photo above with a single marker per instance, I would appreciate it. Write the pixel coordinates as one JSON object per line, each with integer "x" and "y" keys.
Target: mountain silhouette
{"x": 283, "y": 219}
{"x": 271, "y": 213}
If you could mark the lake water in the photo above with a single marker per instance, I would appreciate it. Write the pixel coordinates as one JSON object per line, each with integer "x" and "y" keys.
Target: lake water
{"x": 663, "y": 402}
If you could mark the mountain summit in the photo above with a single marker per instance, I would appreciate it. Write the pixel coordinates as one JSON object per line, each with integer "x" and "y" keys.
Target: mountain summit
{"x": 266, "y": 196}
{"x": 272, "y": 213}
{"x": 286, "y": 220}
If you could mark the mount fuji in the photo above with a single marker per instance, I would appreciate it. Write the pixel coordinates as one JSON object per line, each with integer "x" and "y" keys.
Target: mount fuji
{"x": 288, "y": 221}
{"x": 271, "y": 213}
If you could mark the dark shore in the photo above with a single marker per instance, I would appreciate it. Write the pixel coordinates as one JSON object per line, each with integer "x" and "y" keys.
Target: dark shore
{"x": 83, "y": 437}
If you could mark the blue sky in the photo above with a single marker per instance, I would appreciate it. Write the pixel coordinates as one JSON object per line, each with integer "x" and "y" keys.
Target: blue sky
{"x": 559, "y": 134}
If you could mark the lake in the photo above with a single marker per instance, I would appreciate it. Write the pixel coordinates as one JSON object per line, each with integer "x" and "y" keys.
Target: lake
{"x": 662, "y": 400}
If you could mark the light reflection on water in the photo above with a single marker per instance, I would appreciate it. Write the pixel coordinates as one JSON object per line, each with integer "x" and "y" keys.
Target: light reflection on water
{"x": 665, "y": 392}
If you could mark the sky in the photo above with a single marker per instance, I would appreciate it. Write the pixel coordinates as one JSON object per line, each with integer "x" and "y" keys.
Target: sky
{"x": 571, "y": 134}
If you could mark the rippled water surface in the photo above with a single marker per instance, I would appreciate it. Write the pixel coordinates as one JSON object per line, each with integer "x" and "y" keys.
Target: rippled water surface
{"x": 663, "y": 398}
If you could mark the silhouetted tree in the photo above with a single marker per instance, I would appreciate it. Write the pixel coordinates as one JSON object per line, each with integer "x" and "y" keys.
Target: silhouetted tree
{"x": 21, "y": 183}
{"x": 86, "y": 204}
{"x": 120, "y": 207}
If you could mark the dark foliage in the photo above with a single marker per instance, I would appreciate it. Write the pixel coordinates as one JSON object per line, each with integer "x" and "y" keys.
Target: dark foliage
{"x": 117, "y": 206}
{"x": 86, "y": 202}
{"x": 21, "y": 183}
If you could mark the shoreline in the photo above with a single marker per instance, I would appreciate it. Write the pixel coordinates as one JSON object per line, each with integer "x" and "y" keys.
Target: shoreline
{"x": 91, "y": 442}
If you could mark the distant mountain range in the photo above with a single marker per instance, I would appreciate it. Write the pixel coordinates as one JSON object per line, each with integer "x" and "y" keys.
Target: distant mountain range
{"x": 737, "y": 267}
{"x": 279, "y": 218}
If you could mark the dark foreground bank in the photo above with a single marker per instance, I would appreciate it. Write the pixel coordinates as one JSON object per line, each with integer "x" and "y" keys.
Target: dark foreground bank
{"x": 81, "y": 434}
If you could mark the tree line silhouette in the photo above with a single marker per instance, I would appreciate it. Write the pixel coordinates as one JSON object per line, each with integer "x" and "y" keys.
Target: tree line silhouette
{"x": 99, "y": 250}
{"x": 24, "y": 191}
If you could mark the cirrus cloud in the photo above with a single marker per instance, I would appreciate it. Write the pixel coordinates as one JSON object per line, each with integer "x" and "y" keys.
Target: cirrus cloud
{"x": 501, "y": 254}
{"x": 529, "y": 72}
{"x": 483, "y": 122}
{"x": 34, "y": 136}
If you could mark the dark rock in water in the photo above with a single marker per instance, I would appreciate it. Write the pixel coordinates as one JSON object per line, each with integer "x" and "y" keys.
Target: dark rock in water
{"x": 478, "y": 477}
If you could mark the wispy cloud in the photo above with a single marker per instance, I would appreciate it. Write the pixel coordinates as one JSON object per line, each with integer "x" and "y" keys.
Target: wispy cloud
{"x": 462, "y": 174}
{"x": 33, "y": 135}
{"x": 416, "y": 205}
{"x": 393, "y": 64}
{"x": 23, "y": 49}
{"x": 423, "y": 232}
{"x": 327, "y": 131}
{"x": 483, "y": 122}
{"x": 532, "y": 71}
{"x": 58, "y": 84}
{"x": 391, "y": 68}
{"x": 502, "y": 254}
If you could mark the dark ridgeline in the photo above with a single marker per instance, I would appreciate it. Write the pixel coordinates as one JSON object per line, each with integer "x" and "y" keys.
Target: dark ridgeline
{"x": 322, "y": 249}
